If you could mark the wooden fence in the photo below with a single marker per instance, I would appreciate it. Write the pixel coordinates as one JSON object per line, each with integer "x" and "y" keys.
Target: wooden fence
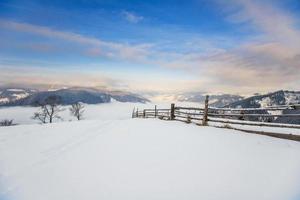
{"x": 239, "y": 116}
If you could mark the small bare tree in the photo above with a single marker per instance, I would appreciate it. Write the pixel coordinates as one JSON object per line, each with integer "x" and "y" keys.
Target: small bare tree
{"x": 77, "y": 110}
{"x": 6, "y": 122}
{"x": 49, "y": 110}
{"x": 41, "y": 115}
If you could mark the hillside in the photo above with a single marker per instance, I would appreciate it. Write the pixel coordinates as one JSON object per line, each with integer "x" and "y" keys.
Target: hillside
{"x": 280, "y": 97}
{"x": 277, "y": 98}
{"x": 110, "y": 156}
{"x": 144, "y": 159}
{"x": 24, "y": 97}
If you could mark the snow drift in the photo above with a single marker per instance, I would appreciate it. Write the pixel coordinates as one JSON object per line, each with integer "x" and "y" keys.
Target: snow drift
{"x": 144, "y": 159}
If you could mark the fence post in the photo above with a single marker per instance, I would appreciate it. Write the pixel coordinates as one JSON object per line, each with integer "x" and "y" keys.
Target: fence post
{"x": 133, "y": 112}
{"x": 155, "y": 111}
{"x": 172, "y": 114}
{"x": 144, "y": 113}
{"x": 205, "y": 114}
{"x": 137, "y": 112}
{"x": 242, "y": 117}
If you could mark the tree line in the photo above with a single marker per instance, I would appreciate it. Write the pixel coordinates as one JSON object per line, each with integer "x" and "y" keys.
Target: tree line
{"x": 51, "y": 107}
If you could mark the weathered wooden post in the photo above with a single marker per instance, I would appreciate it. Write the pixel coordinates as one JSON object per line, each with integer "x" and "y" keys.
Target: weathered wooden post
{"x": 144, "y": 113}
{"x": 172, "y": 114}
{"x": 137, "y": 112}
{"x": 242, "y": 117}
{"x": 155, "y": 111}
{"x": 133, "y": 112}
{"x": 205, "y": 114}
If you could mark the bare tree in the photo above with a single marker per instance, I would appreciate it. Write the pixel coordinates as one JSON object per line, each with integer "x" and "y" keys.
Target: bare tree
{"x": 77, "y": 110}
{"x": 41, "y": 115}
{"x": 49, "y": 110}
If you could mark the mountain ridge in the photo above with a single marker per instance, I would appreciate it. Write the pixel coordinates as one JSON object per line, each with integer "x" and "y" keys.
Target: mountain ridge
{"x": 277, "y": 98}
{"x": 68, "y": 96}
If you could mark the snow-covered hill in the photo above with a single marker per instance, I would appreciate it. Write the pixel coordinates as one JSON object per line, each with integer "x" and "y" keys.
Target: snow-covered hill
{"x": 272, "y": 99}
{"x": 110, "y": 156}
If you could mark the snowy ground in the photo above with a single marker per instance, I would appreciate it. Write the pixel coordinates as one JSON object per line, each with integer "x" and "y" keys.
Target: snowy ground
{"x": 105, "y": 111}
{"x": 294, "y": 131}
{"x": 110, "y": 156}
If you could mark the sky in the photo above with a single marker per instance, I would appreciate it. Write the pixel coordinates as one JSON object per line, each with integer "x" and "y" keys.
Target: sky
{"x": 165, "y": 46}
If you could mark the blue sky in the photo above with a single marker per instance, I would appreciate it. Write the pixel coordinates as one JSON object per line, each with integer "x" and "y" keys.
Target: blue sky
{"x": 235, "y": 46}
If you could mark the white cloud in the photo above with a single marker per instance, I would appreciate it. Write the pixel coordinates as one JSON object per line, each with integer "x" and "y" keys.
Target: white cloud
{"x": 275, "y": 23}
{"x": 269, "y": 62}
{"x": 109, "y": 49}
{"x": 131, "y": 17}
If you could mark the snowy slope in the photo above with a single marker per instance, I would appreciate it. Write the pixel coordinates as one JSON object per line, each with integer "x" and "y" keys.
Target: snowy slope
{"x": 144, "y": 159}
{"x": 23, "y": 115}
{"x": 272, "y": 99}
{"x": 105, "y": 111}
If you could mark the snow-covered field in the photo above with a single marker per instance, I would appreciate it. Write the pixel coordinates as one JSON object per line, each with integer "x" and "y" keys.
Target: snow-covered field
{"x": 115, "y": 110}
{"x": 294, "y": 131}
{"x": 110, "y": 156}
{"x": 23, "y": 115}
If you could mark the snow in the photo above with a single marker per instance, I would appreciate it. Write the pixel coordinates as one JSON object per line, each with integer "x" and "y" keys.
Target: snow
{"x": 265, "y": 102}
{"x": 111, "y": 156}
{"x": 4, "y": 100}
{"x": 113, "y": 110}
{"x": 292, "y": 98}
{"x": 294, "y": 131}
{"x": 15, "y": 90}
{"x": 20, "y": 95}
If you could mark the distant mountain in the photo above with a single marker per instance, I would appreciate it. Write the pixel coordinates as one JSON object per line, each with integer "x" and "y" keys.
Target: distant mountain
{"x": 280, "y": 97}
{"x": 277, "y": 98}
{"x": 22, "y": 97}
{"x": 8, "y": 95}
{"x": 214, "y": 100}
{"x": 220, "y": 100}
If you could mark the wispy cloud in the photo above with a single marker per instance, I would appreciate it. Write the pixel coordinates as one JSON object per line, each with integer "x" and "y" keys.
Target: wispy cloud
{"x": 36, "y": 76}
{"x": 109, "y": 49}
{"x": 268, "y": 60}
{"x": 132, "y": 17}
{"x": 275, "y": 23}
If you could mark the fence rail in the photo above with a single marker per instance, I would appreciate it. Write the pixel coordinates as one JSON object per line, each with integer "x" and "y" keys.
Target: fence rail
{"x": 240, "y": 116}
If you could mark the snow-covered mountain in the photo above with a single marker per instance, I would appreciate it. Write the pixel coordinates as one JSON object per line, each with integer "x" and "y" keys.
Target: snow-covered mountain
{"x": 215, "y": 100}
{"x": 22, "y": 97}
{"x": 280, "y": 97}
{"x": 277, "y": 98}
{"x": 8, "y": 95}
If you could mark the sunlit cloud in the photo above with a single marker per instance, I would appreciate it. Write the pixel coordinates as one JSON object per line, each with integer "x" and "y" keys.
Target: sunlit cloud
{"x": 269, "y": 62}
